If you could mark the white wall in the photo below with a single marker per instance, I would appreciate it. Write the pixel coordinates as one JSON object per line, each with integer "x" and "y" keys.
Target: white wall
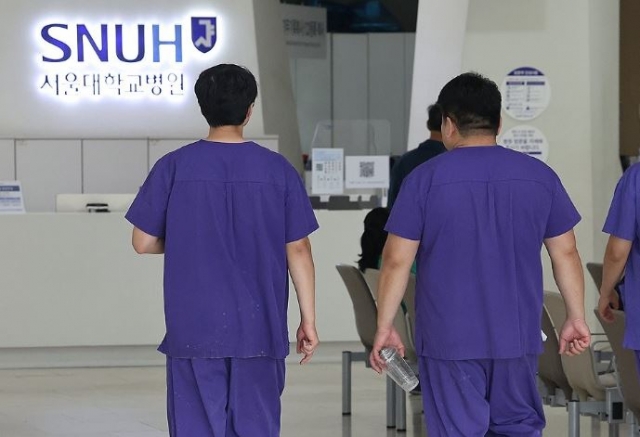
{"x": 7, "y": 160}
{"x": 312, "y": 91}
{"x": 604, "y": 19}
{"x": 363, "y": 87}
{"x": 279, "y": 112}
{"x": 47, "y": 167}
{"x": 114, "y": 166}
{"x": 89, "y": 288}
{"x": 581, "y": 121}
{"x": 438, "y": 55}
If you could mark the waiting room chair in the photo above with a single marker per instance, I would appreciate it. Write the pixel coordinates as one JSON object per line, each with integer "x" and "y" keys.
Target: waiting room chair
{"x": 595, "y": 270}
{"x": 410, "y": 302}
{"x": 628, "y": 373}
{"x": 397, "y": 416}
{"x": 366, "y": 315}
{"x": 550, "y": 370}
{"x": 593, "y": 394}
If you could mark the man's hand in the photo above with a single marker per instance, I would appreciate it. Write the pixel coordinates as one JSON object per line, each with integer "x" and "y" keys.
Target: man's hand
{"x": 384, "y": 338}
{"x": 609, "y": 300}
{"x": 575, "y": 337}
{"x": 307, "y": 341}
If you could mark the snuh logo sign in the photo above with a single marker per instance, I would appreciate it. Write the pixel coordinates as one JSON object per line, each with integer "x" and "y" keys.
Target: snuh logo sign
{"x": 76, "y": 41}
{"x": 203, "y": 33}
{"x": 117, "y": 60}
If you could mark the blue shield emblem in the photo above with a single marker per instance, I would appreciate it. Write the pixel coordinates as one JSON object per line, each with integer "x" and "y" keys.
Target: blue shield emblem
{"x": 204, "y": 33}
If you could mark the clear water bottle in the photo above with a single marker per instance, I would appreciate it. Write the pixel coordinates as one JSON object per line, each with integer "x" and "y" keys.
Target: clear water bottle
{"x": 398, "y": 369}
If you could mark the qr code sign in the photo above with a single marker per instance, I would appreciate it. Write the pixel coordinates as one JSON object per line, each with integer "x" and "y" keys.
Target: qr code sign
{"x": 367, "y": 169}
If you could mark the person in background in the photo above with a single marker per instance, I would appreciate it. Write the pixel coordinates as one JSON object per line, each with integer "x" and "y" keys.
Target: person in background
{"x": 622, "y": 257}
{"x": 230, "y": 217}
{"x": 373, "y": 239}
{"x": 477, "y": 218}
{"x": 413, "y": 158}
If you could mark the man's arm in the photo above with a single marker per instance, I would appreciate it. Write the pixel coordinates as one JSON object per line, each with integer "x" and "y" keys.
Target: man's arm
{"x": 302, "y": 272}
{"x": 568, "y": 274}
{"x": 615, "y": 259}
{"x": 144, "y": 243}
{"x": 397, "y": 258}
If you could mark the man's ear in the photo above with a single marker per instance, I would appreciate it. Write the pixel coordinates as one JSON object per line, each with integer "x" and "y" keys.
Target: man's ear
{"x": 448, "y": 127}
{"x": 249, "y": 114}
{"x": 499, "y": 127}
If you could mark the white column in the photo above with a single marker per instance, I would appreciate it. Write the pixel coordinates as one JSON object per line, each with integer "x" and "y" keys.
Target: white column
{"x": 440, "y": 37}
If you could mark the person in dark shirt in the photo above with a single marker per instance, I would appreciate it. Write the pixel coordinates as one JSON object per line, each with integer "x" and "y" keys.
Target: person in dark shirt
{"x": 373, "y": 239}
{"x": 413, "y": 158}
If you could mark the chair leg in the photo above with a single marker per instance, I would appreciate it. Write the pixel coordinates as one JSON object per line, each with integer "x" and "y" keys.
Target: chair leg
{"x": 401, "y": 409}
{"x": 574, "y": 418}
{"x": 634, "y": 431}
{"x": 614, "y": 430}
{"x": 596, "y": 425}
{"x": 346, "y": 383}
{"x": 391, "y": 403}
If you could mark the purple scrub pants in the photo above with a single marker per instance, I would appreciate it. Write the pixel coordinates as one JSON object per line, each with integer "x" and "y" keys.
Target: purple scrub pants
{"x": 478, "y": 398}
{"x": 225, "y": 397}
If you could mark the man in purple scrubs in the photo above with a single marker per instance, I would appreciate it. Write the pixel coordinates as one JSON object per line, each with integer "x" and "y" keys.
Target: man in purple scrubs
{"x": 476, "y": 219}
{"x": 232, "y": 219}
{"x": 623, "y": 256}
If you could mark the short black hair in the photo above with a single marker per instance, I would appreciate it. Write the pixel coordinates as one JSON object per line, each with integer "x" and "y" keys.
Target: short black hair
{"x": 434, "y": 122}
{"x": 473, "y": 102}
{"x": 225, "y": 93}
{"x": 373, "y": 238}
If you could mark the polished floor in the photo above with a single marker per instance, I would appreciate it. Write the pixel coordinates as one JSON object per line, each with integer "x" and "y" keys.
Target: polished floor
{"x": 129, "y": 402}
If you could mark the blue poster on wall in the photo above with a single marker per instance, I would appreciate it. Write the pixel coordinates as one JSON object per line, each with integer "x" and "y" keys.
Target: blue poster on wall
{"x": 526, "y": 93}
{"x": 11, "y": 200}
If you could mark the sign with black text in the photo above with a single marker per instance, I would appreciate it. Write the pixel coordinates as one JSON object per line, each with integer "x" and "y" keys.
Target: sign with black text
{"x": 305, "y": 31}
{"x": 11, "y": 200}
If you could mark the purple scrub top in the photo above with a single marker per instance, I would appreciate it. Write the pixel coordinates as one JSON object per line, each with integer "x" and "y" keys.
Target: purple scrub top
{"x": 623, "y": 222}
{"x": 481, "y": 215}
{"x": 226, "y": 213}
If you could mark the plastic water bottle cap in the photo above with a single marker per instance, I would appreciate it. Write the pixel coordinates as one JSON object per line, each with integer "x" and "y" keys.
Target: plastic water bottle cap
{"x": 387, "y": 353}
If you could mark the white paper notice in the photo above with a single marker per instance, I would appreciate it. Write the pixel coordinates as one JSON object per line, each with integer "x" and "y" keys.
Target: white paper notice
{"x": 11, "y": 200}
{"x": 527, "y": 139}
{"x": 367, "y": 171}
{"x": 328, "y": 171}
{"x": 526, "y": 93}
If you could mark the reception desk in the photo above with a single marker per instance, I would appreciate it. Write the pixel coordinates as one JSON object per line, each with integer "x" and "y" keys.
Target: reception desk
{"x": 70, "y": 280}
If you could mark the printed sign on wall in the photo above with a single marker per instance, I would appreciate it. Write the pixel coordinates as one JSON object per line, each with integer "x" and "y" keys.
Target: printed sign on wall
{"x": 11, "y": 200}
{"x": 525, "y": 93}
{"x": 305, "y": 31}
{"x": 367, "y": 171}
{"x": 526, "y": 139}
{"x": 328, "y": 171}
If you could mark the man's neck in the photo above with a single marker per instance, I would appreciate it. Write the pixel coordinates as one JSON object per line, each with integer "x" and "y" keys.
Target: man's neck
{"x": 435, "y": 136}
{"x": 476, "y": 141}
{"x": 226, "y": 134}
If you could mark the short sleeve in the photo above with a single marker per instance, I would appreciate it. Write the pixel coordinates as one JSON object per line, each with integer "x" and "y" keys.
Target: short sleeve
{"x": 621, "y": 220}
{"x": 299, "y": 217}
{"x": 407, "y": 215}
{"x": 563, "y": 215}
{"x": 148, "y": 212}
